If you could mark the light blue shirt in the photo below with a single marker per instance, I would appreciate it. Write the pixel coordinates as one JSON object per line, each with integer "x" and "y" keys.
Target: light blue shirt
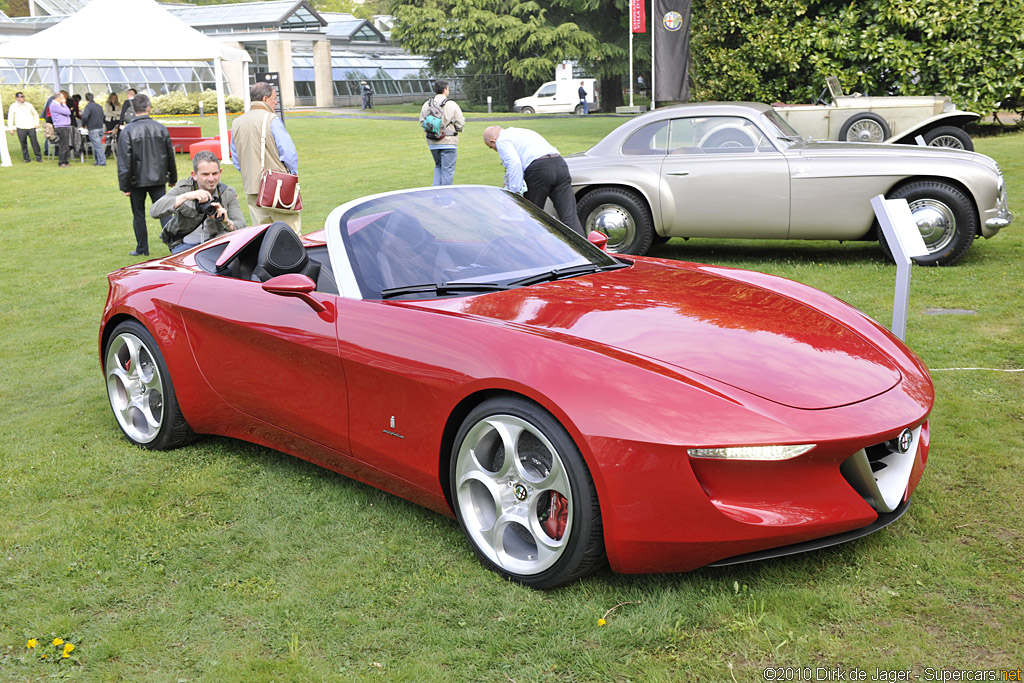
{"x": 518, "y": 148}
{"x": 285, "y": 147}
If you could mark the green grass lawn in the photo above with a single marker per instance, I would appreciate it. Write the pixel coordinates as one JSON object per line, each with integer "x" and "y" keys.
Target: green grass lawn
{"x": 225, "y": 561}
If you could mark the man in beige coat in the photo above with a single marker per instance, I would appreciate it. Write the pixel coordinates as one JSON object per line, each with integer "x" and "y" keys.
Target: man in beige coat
{"x": 260, "y": 136}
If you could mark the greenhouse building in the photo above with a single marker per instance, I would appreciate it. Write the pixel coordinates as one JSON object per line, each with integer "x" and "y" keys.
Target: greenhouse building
{"x": 320, "y": 57}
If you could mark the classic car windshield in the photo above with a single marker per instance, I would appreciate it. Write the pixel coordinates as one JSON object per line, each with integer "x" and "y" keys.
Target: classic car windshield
{"x": 458, "y": 241}
{"x": 784, "y": 131}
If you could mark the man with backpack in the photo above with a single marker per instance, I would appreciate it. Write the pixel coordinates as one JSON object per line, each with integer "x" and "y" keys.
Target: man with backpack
{"x": 442, "y": 121}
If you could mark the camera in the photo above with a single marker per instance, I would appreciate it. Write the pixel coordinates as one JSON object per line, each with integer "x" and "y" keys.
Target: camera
{"x": 207, "y": 208}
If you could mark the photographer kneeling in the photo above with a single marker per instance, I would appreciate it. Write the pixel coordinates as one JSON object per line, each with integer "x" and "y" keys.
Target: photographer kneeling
{"x": 200, "y": 206}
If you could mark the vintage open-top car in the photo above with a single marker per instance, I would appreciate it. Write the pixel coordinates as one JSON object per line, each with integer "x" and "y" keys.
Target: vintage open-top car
{"x": 894, "y": 119}
{"x": 462, "y": 349}
{"x": 739, "y": 170}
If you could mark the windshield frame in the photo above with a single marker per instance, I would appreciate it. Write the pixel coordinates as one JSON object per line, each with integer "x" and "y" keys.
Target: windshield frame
{"x": 346, "y": 263}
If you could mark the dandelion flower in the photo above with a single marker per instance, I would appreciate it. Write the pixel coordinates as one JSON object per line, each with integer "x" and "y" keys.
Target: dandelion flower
{"x": 44, "y": 657}
{"x": 31, "y": 643}
{"x": 68, "y": 647}
{"x": 601, "y": 622}
{"x": 57, "y": 642}
{"x": 65, "y": 655}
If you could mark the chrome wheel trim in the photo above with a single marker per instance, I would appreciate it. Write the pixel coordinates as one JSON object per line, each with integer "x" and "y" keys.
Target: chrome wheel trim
{"x": 616, "y": 223}
{"x": 936, "y": 222}
{"x": 501, "y": 498}
{"x": 865, "y": 130}
{"x": 950, "y": 141}
{"x": 135, "y": 387}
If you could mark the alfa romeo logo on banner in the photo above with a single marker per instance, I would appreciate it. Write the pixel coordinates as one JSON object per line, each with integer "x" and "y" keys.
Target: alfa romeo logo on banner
{"x": 673, "y": 21}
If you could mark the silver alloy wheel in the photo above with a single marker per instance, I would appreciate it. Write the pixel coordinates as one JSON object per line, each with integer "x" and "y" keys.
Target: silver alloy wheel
{"x": 614, "y": 221}
{"x": 950, "y": 141}
{"x": 865, "y": 130}
{"x": 506, "y": 473}
{"x": 936, "y": 222}
{"x": 135, "y": 387}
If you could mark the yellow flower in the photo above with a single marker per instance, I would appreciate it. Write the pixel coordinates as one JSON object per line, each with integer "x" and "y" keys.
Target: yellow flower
{"x": 68, "y": 647}
{"x": 45, "y": 657}
{"x": 65, "y": 655}
{"x": 57, "y": 642}
{"x": 601, "y": 622}
{"x": 31, "y": 643}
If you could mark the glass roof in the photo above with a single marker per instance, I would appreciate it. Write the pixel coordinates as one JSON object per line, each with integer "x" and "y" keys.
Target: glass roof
{"x": 60, "y": 7}
{"x": 287, "y": 13}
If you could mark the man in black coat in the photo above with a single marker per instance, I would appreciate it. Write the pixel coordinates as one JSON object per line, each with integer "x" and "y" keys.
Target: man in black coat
{"x": 127, "y": 110}
{"x": 92, "y": 119}
{"x": 145, "y": 164}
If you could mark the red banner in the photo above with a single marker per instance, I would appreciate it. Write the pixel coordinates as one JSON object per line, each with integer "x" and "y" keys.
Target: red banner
{"x": 637, "y": 17}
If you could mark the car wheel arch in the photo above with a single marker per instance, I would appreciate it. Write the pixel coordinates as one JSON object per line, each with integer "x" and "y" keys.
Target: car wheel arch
{"x": 108, "y": 329}
{"x": 653, "y": 206}
{"x": 947, "y": 180}
{"x": 465, "y": 406}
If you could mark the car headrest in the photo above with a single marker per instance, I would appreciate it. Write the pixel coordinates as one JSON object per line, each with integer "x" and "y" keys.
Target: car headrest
{"x": 403, "y": 227}
{"x": 282, "y": 251}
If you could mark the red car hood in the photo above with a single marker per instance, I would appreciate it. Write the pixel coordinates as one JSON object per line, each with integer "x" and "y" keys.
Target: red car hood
{"x": 751, "y": 338}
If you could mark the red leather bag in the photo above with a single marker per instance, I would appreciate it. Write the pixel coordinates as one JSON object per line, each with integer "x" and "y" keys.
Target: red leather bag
{"x": 278, "y": 190}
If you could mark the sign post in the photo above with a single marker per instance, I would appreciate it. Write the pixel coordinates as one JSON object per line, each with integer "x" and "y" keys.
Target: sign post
{"x": 905, "y": 242}
{"x": 271, "y": 77}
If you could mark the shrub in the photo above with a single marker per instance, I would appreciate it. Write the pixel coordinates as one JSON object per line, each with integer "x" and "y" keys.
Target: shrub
{"x": 179, "y": 103}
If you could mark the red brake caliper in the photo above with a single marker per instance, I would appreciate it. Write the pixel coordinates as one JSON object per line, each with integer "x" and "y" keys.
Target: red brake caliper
{"x": 558, "y": 515}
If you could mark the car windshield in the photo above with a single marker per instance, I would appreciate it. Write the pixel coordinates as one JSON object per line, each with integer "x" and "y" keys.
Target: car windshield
{"x": 783, "y": 131}
{"x": 456, "y": 241}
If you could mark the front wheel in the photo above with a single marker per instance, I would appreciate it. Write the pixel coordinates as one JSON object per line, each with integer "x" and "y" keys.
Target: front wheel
{"x": 140, "y": 390}
{"x": 526, "y": 110}
{"x": 523, "y": 495}
{"x": 864, "y": 127}
{"x": 945, "y": 216}
{"x": 621, "y": 215}
{"x": 949, "y": 136}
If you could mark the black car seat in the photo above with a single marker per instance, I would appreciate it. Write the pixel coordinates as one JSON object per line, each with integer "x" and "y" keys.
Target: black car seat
{"x": 281, "y": 253}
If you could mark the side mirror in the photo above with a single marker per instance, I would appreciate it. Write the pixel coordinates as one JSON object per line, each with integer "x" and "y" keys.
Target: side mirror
{"x": 598, "y": 239}
{"x": 297, "y": 285}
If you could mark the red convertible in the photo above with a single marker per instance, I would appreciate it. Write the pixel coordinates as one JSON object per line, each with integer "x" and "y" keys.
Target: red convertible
{"x": 571, "y": 408}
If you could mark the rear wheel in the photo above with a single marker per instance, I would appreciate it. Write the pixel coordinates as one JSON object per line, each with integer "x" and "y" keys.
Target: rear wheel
{"x": 140, "y": 390}
{"x": 621, "y": 215}
{"x": 949, "y": 136}
{"x": 523, "y": 495}
{"x": 945, "y": 216}
{"x": 864, "y": 127}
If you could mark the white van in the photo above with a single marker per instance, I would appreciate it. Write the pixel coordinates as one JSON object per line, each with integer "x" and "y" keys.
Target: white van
{"x": 558, "y": 97}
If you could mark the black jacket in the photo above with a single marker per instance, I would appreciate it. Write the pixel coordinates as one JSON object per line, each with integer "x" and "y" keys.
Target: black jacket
{"x": 92, "y": 117}
{"x": 145, "y": 155}
{"x": 127, "y": 112}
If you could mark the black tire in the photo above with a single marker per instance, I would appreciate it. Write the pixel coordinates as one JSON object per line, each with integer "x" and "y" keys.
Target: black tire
{"x": 620, "y": 214}
{"x": 512, "y": 462}
{"x": 949, "y": 136}
{"x": 865, "y": 127}
{"x": 526, "y": 110}
{"x": 946, "y": 217}
{"x": 140, "y": 390}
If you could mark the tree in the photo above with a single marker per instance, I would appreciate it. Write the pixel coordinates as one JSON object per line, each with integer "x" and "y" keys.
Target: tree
{"x": 511, "y": 37}
{"x": 767, "y": 50}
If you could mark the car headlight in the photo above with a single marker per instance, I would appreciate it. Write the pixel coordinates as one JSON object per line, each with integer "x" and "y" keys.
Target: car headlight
{"x": 752, "y": 452}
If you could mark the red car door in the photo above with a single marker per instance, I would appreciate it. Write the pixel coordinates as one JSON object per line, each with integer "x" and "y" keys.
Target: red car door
{"x": 272, "y": 357}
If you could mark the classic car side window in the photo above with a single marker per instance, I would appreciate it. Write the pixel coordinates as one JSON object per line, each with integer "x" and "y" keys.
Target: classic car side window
{"x": 717, "y": 135}
{"x": 649, "y": 140}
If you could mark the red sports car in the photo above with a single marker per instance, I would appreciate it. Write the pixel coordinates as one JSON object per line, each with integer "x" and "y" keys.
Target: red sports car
{"x": 461, "y": 349}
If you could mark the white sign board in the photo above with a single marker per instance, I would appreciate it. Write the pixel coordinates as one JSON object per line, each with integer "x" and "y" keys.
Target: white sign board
{"x": 905, "y": 242}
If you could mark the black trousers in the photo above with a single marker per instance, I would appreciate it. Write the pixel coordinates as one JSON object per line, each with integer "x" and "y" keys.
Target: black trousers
{"x": 138, "y": 196}
{"x": 24, "y": 135}
{"x": 63, "y": 144}
{"x": 549, "y": 177}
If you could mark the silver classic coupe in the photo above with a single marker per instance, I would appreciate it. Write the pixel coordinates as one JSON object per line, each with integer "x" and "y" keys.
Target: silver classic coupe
{"x": 739, "y": 170}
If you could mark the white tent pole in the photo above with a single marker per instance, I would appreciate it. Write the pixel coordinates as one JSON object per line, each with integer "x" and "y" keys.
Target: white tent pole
{"x": 631, "y": 52}
{"x": 5, "y": 154}
{"x": 56, "y": 76}
{"x": 246, "y": 97}
{"x": 222, "y": 117}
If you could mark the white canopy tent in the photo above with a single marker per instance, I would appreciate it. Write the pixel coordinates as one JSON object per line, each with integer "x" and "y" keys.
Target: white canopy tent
{"x": 132, "y": 30}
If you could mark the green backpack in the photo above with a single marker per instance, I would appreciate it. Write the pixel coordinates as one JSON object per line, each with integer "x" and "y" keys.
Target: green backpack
{"x": 433, "y": 122}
